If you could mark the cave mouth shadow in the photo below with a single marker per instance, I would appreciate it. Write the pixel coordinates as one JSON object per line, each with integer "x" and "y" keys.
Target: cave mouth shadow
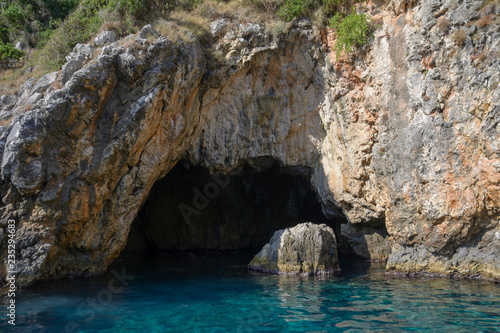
{"x": 192, "y": 211}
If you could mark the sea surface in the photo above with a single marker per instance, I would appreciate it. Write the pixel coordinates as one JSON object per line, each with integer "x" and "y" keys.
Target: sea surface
{"x": 218, "y": 294}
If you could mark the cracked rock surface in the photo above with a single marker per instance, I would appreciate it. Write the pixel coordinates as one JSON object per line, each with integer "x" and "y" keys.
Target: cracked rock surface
{"x": 402, "y": 137}
{"x": 306, "y": 249}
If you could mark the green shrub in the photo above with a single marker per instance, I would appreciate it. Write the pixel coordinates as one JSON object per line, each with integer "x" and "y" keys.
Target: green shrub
{"x": 78, "y": 27}
{"x": 59, "y": 9}
{"x": 142, "y": 11}
{"x": 133, "y": 7}
{"x": 4, "y": 34}
{"x": 56, "y": 38}
{"x": 13, "y": 16}
{"x": 43, "y": 35}
{"x": 29, "y": 20}
{"x": 8, "y": 54}
{"x": 352, "y": 30}
{"x": 293, "y": 9}
{"x": 54, "y": 27}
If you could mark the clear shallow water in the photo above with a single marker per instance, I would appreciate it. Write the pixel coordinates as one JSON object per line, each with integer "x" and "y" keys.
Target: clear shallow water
{"x": 219, "y": 295}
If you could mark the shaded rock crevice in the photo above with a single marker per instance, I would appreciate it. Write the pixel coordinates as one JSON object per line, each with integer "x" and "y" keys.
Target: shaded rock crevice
{"x": 306, "y": 249}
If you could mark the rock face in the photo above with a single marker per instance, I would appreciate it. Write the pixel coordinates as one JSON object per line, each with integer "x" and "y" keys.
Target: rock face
{"x": 106, "y": 37}
{"x": 367, "y": 242}
{"x": 402, "y": 138}
{"x": 306, "y": 249}
{"x": 28, "y": 95}
{"x": 76, "y": 59}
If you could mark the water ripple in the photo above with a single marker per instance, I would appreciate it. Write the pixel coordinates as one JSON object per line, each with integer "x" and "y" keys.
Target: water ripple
{"x": 204, "y": 296}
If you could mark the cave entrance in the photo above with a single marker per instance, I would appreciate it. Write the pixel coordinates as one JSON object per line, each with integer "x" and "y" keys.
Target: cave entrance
{"x": 191, "y": 210}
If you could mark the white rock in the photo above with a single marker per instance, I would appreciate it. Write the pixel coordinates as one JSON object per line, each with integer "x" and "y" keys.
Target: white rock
{"x": 44, "y": 82}
{"x": 218, "y": 27}
{"x": 75, "y": 60}
{"x": 34, "y": 98}
{"x": 148, "y": 31}
{"x": 106, "y": 37}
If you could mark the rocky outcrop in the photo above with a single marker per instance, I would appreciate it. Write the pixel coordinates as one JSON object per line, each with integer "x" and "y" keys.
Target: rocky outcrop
{"x": 106, "y": 37}
{"x": 402, "y": 137}
{"x": 28, "y": 95}
{"x": 76, "y": 59}
{"x": 306, "y": 249}
{"x": 81, "y": 162}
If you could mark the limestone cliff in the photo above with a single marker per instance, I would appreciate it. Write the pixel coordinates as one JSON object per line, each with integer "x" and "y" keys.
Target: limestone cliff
{"x": 402, "y": 138}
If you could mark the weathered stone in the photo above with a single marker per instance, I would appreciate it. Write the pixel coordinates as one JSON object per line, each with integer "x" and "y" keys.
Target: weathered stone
{"x": 75, "y": 60}
{"x": 218, "y": 27}
{"x": 69, "y": 68}
{"x": 368, "y": 242}
{"x": 258, "y": 40}
{"x": 306, "y": 249}
{"x": 148, "y": 31}
{"x": 106, "y": 37}
{"x": 44, "y": 82}
{"x": 239, "y": 44}
{"x": 5, "y": 99}
{"x": 248, "y": 29}
{"x": 34, "y": 98}
{"x": 403, "y": 135}
{"x": 304, "y": 23}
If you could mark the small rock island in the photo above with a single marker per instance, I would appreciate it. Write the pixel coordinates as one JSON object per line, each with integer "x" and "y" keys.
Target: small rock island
{"x": 306, "y": 249}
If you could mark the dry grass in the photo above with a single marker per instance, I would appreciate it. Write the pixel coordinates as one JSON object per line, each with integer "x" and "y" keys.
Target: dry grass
{"x": 480, "y": 57}
{"x": 276, "y": 28}
{"x": 112, "y": 20}
{"x": 319, "y": 17}
{"x": 185, "y": 26}
{"x": 243, "y": 11}
{"x": 173, "y": 31}
{"x": 189, "y": 26}
{"x": 212, "y": 10}
{"x": 117, "y": 26}
{"x": 196, "y": 23}
{"x": 270, "y": 7}
{"x": 485, "y": 21}
{"x": 489, "y": 5}
{"x": 5, "y": 122}
{"x": 489, "y": 14}
{"x": 459, "y": 37}
{"x": 12, "y": 79}
{"x": 443, "y": 24}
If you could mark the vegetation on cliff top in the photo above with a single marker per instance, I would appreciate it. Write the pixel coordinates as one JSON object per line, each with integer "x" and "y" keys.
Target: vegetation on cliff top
{"x": 36, "y": 35}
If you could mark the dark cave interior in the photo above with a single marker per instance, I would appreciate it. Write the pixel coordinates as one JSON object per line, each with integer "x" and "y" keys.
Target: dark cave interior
{"x": 191, "y": 210}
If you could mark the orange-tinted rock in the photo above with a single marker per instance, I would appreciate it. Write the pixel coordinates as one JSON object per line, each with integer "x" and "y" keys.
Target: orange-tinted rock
{"x": 402, "y": 137}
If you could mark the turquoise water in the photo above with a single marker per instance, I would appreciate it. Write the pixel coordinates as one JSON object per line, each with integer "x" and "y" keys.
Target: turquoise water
{"x": 217, "y": 294}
